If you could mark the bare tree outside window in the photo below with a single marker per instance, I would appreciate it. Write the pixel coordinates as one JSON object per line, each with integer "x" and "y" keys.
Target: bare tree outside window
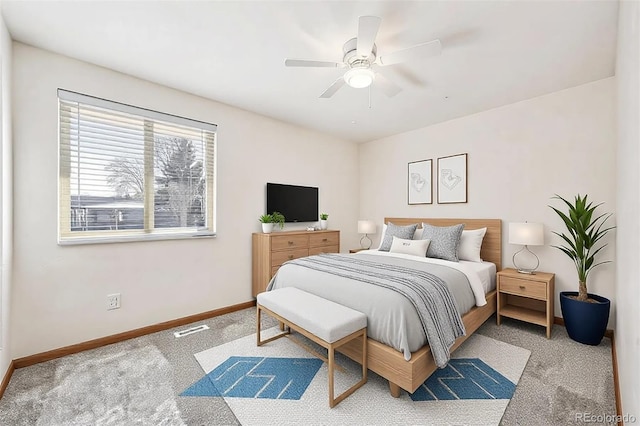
{"x": 179, "y": 185}
{"x": 179, "y": 182}
{"x": 126, "y": 176}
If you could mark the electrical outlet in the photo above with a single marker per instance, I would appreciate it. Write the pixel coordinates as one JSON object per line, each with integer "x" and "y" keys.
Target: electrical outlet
{"x": 113, "y": 301}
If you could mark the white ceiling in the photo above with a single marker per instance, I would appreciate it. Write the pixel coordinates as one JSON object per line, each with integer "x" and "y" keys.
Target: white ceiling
{"x": 493, "y": 53}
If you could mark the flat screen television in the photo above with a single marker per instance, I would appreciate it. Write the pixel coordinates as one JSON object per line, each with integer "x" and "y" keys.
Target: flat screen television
{"x": 296, "y": 203}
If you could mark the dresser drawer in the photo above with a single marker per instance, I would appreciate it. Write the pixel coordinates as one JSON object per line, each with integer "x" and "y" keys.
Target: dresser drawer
{"x": 327, "y": 249}
{"x": 282, "y": 242}
{"x": 279, "y": 257}
{"x": 324, "y": 239}
{"x": 532, "y": 289}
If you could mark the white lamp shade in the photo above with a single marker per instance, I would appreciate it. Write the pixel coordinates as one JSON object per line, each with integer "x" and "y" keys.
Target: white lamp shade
{"x": 366, "y": 227}
{"x": 526, "y": 234}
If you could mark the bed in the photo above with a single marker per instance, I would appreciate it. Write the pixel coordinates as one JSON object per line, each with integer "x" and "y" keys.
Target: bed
{"x": 407, "y": 361}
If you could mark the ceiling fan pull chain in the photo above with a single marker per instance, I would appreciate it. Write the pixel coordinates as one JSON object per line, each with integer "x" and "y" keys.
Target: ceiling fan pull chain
{"x": 369, "y": 97}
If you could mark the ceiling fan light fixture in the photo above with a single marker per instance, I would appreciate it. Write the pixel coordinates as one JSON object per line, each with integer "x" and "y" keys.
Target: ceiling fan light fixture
{"x": 359, "y": 78}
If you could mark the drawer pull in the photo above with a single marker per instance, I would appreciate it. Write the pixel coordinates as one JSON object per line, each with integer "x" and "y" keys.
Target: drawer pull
{"x": 522, "y": 287}
{"x": 290, "y": 256}
{"x": 290, "y": 243}
{"x": 324, "y": 240}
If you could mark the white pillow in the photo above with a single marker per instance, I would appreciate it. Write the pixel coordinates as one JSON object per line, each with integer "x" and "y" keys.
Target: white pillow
{"x": 413, "y": 247}
{"x": 417, "y": 234}
{"x": 384, "y": 231}
{"x": 470, "y": 244}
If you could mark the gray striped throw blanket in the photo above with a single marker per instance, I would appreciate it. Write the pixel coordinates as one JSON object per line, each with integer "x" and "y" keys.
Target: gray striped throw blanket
{"x": 428, "y": 293}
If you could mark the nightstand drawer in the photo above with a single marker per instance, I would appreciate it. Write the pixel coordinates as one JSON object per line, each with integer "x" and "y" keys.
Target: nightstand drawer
{"x": 324, "y": 239}
{"x": 282, "y": 242}
{"x": 532, "y": 289}
{"x": 279, "y": 257}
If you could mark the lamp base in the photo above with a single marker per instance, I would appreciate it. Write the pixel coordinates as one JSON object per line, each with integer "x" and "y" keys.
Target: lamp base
{"x": 363, "y": 242}
{"x": 520, "y": 268}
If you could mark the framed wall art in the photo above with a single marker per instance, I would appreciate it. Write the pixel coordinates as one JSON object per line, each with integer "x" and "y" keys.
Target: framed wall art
{"x": 419, "y": 182}
{"x": 452, "y": 179}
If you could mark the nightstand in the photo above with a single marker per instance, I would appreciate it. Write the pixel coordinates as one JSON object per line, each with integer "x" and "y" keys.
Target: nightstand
{"x": 526, "y": 297}
{"x": 356, "y": 250}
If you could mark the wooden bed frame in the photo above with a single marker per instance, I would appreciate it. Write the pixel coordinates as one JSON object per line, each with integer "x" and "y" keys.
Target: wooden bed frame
{"x": 390, "y": 363}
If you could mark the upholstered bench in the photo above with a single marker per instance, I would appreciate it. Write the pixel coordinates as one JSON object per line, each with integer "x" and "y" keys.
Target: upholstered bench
{"x": 327, "y": 323}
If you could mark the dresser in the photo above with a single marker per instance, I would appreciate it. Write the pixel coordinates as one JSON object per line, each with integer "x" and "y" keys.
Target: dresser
{"x": 269, "y": 251}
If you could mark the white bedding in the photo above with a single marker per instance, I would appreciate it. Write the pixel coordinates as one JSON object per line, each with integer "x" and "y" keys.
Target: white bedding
{"x": 486, "y": 272}
{"x": 392, "y": 318}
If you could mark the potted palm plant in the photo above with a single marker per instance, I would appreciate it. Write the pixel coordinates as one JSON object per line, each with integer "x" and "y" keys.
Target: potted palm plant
{"x": 269, "y": 221}
{"x": 585, "y": 314}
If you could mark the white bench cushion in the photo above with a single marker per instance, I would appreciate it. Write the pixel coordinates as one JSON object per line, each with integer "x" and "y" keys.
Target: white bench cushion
{"x": 323, "y": 318}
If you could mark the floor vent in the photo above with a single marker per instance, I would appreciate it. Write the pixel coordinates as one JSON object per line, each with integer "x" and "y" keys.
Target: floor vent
{"x": 191, "y": 330}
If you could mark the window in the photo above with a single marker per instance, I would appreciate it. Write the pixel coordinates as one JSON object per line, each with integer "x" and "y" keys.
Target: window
{"x": 128, "y": 173}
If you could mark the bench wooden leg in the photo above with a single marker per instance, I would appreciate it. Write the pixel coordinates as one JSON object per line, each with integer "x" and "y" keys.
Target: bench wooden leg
{"x": 331, "y": 349}
{"x": 365, "y": 367}
{"x": 332, "y": 401}
{"x": 258, "y": 325}
{"x": 260, "y": 342}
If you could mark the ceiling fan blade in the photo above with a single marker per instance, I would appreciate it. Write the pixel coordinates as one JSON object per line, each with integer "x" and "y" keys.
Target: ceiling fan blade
{"x": 333, "y": 88}
{"x": 387, "y": 86}
{"x": 305, "y": 63}
{"x": 424, "y": 50}
{"x": 367, "y": 32}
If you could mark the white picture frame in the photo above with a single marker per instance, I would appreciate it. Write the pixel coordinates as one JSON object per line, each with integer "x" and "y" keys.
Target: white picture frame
{"x": 452, "y": 179}
{"x": 419, "y": 182}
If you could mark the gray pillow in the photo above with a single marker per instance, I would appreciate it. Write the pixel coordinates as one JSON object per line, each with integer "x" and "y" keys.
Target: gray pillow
{"x": 444, "y": 240}
{"x": 404, "y": 232}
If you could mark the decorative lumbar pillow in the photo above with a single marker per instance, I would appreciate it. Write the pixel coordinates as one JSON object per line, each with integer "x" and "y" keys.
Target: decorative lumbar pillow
{"x": 470, "y": 245}
{"x": 444, "y": 240}
{"x": 404, "y": 232}
{"x": 413, "y": 247}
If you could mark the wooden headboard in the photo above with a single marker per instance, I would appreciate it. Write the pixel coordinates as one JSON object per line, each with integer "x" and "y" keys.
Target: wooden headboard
{"x": 491, "y": 250}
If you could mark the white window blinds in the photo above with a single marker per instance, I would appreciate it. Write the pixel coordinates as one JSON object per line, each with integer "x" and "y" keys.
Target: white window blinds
{"x": 128, "y": 173}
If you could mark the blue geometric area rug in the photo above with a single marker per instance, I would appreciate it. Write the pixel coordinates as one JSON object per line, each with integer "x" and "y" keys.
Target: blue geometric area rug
{"x": 281, "y": 383}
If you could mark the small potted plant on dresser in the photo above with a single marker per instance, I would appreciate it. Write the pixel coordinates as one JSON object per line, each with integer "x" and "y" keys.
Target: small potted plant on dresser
{"x": 323, "y": 220}
{"x": 269, "y": 221}
{"x": 585, "y": 315}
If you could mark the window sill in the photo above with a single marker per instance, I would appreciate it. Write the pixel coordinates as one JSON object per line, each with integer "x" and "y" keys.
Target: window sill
{"x": 70, "y": 241}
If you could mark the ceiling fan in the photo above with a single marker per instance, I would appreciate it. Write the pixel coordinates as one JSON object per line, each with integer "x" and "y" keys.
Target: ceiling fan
{"x": 361, "y": 60}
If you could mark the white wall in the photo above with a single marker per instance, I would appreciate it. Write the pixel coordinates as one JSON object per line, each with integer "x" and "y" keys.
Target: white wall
{"x": 60, "y": 292}
{"x": 628, "y": 207}
{"x": 6, "y": 202}
{"x": 519, "y": 156}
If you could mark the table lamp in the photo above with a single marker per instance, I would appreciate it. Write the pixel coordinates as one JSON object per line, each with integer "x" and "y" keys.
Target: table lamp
{"x": 366, "y": 227}
{"x": 526, "y": 234}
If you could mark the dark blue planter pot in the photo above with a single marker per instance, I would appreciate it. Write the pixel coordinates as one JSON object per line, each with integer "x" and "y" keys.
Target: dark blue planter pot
{"x": 585, "y": 322}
